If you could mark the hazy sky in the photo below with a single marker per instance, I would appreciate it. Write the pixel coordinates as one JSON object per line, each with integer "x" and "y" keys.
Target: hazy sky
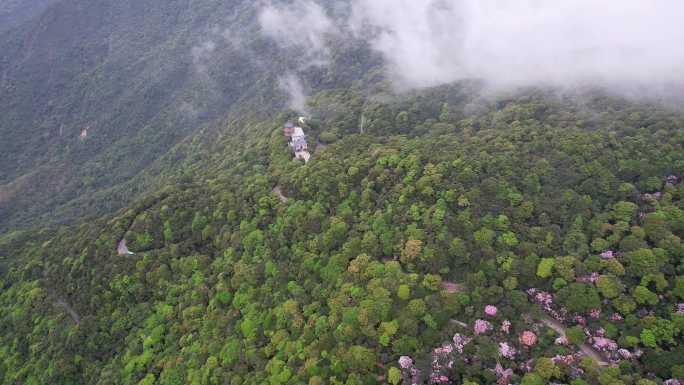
{"x": 507, "y": 43}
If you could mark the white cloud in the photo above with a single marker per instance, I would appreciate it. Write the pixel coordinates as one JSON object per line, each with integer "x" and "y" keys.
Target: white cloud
{"x": 302, "y": 24}
{"x": 304, "y": 27}
{"x": 292, "y": 85}
{"x": 526, "y": 42}
{"x": 200, "y": 53}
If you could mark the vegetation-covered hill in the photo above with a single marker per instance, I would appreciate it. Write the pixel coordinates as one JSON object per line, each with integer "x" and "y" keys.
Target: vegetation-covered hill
{"x": 444, "y": 244}
{"x": 95, "y": 93}
{"x": 16, "y": 12}
{"x": 435, "y": 237}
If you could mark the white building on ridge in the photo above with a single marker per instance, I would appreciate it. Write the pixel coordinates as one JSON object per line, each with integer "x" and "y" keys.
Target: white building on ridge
{"x": 297, "y": 141}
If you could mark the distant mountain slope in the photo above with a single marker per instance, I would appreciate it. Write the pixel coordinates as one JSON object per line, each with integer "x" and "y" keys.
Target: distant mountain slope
{"x": 16, "y": 12}
{"x": 94, "y": 92}
{"x": 392, "y": 245}
{"x": 118, "y": 73}
{"x": 156, "y": 230}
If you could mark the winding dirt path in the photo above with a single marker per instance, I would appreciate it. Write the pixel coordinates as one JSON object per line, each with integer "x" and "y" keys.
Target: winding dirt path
{"x": 459, "y": 323}
{"x": 72, "y": 313}
{"x": 122, "y": 249}
{"x": 279, "y": 192}
{"x": 452, "y": 287}
{"x": 584, "y": 348}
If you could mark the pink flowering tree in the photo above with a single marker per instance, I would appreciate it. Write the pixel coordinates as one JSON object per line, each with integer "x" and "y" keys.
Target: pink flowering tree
{"x": 405, "y": 362}
{"x": 482, "y": 327}
{"x": 491, "y": 310}
{"x": 528, "y": 338}
{"x": 604, "y": 344}
{"x": 595, "y": 313}
{"x": 608, "y": 254}
{"x": 506, "y": 326}
{"x": 503, "y": 375}
{"x": 506, "y": 350}
{"x": 460, "y": 342}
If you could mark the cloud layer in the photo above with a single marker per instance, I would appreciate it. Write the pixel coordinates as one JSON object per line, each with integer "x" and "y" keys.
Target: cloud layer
{"x": 527, "y": 42}
{"x": 520, "y": 43}
{"x": 302, "y": 24}
{"x": 292, "y": 85}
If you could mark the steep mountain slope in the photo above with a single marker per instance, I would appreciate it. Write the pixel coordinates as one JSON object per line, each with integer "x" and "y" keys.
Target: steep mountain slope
{"x": 16, "y": 12}
{"x": 95, "y": 92}
{"x": 390, "y": 242}
{"x": 154, "y": 228}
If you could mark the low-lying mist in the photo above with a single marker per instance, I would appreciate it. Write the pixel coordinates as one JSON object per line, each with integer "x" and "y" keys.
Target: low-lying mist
{"x": 630, "y": 46}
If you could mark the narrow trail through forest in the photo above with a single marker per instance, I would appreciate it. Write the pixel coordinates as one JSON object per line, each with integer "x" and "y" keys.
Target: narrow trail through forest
{"x": 72, "y": 313}
{"x": 58, "y": 301}
{"x": 452, "y": 287}
{"x": 279, "y": 192}
{"x": 122, "y": 248}
{"x": 585, "y": 348}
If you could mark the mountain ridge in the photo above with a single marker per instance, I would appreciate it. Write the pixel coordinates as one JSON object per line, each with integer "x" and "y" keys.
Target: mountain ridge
{"x": 443, "y": 235}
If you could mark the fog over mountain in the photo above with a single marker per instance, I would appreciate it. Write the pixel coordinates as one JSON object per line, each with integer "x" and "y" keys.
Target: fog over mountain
{"x": 471, "y": 192}
{"x": 561, "y": 43}
{"x": 302, "y": 24}
{"x": 15, "y": 12}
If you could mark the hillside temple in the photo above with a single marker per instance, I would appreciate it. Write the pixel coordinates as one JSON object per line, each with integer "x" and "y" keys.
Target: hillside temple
{"x": 297, "y": 141}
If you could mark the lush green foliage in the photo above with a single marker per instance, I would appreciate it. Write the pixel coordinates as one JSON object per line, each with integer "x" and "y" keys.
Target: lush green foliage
{"x": 229, "y": 285}
{"x": 416, "y": 214}
{"x": 145, "y": 81}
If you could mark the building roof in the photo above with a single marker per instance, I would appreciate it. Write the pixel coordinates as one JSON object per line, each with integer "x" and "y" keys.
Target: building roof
{"x": 288, "y": 125}
{"x": 298, "y": 132}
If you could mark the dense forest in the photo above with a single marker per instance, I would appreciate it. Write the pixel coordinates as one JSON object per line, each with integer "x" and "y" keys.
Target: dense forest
{"x": 97, "y": 95}
{"x": 528, "y": 239}
{"x": 155, "y": 228}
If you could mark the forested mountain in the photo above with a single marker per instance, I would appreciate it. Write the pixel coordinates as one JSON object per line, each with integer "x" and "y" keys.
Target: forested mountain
{"x": 16, "y": 12}
{"x": 94, "y": 93}
{"x": 157, "y": 230}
